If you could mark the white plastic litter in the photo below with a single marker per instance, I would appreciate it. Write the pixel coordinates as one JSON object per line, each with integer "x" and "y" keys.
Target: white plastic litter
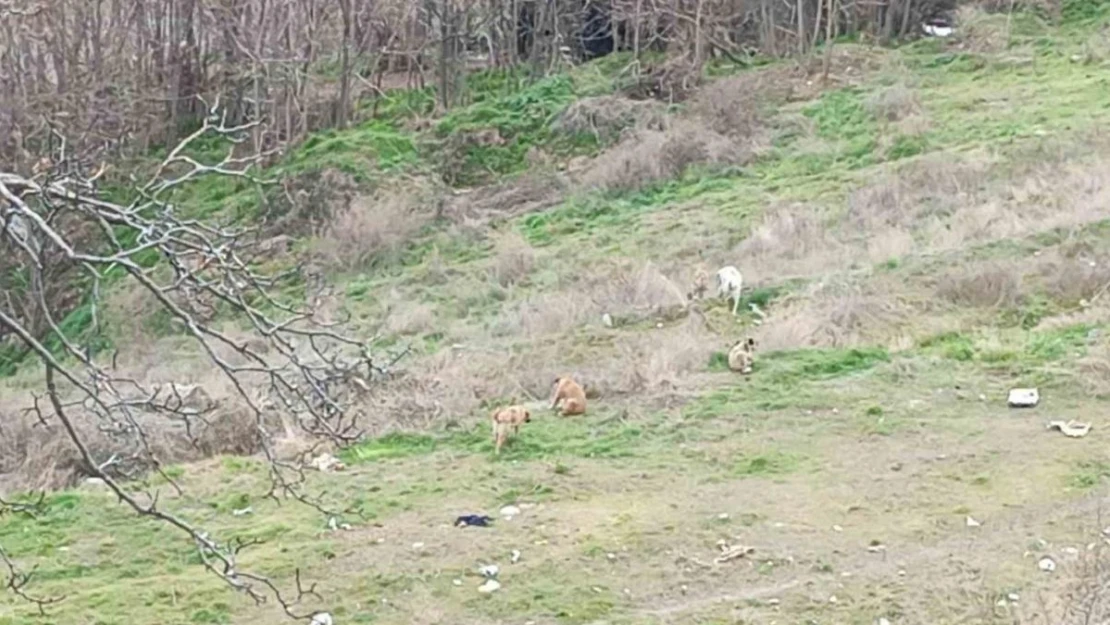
{"x": 1024, "y": 397}
{"x": 1072, "y": 429}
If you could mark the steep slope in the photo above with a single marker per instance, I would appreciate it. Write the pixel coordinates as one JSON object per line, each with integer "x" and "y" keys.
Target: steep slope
{"x": 922, "y": 233}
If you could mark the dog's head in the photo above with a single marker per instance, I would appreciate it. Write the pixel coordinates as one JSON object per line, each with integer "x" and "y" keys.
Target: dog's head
{"x": 527, "y": 416}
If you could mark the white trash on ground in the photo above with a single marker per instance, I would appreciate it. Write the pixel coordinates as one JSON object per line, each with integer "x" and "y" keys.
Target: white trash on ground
{"x": 1071, "y": 429}
{"x": 1024, "y": 397}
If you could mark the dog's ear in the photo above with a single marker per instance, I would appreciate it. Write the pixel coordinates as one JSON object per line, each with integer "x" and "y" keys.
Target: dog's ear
{"x": 751, "y": 342}
{"x": 527, "y": 416}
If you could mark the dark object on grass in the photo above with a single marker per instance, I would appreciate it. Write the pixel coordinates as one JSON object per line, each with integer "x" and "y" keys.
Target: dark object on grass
{"x": 476, "y": 520}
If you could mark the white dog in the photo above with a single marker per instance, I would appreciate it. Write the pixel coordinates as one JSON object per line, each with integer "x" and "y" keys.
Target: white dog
{"x": 729, "y": 284}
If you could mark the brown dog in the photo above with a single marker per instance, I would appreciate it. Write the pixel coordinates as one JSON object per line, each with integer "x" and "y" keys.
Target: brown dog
{"x": 505, "y": 419}
{"x": 568, "y": 397}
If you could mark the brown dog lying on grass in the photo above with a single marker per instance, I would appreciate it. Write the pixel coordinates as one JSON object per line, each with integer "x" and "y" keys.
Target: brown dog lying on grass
{"x": 505, "y": 419}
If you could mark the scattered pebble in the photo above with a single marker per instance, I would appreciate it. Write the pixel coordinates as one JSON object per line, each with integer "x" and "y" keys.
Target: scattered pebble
{"x": 833, "y": 599}
{"x": 457, "y": 582}
{"x": 659, "y": 325}
{"x": 973, "y": 523}
{"x": 723, "y": 516}
{"x": 597, "y": 589}
{"x": 1047, "y": 564}
{"x": 242, "y": 511}
{"x": 982, "y": 397}
{"x": 322, "y": 618}
{"x": 381, "y": 541}
{"x": 876, "y": 548}
{"x": 345, "y": 527}
{"x": 607, "y": 320}
{"x": 417, "y": 546}
{"x": 837, "y": 528}
{"x": 510, "y": 511}
{"x": 683, "y": 589}
{"x": 611, "y": 556}
{"x": 773, "y": 601}
{"x": 1071, "y": 551}
{"x": 897, "y": 466}
{"x": 515, "y": 557}
{"x": 883, "y": 621}
{"x": 1013, "y": 597}
{"x": 902, "y": 573}
{"x": 491, "y": 585}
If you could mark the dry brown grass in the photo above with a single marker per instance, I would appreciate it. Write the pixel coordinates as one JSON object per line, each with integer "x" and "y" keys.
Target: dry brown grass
{"x": 843, "y": 312}
{"x": 608, "y": 116}
{"x": 995, "y": 284}
{"x": 893, "y": 103}
{"x": 628, "y": 291}
{"x": 790, "y": 241}
{"x": 650, "y": 156}
{"x": 514, "y": 260}
{"x": 372, "y": 227}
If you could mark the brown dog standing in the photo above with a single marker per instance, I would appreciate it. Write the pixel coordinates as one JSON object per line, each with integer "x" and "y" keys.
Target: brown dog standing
{"x": 504, "y": 419}
{"x": 569, "y": 397}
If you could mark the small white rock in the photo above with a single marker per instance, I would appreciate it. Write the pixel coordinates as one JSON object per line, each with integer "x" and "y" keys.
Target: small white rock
{"x": 417, "y": 546}
{"x": 723, "y": 516}
{"x": 833, "y": 599}
{"x": 1047, "y": 564}
{"x": 902, "y": 573}
{"x": 883, "y": 621}
{"x": 381, "y": 541}
{"x": 773, "y": 601}
{"x": 611, "y": 556}
{"x": 457, "y": 582}
{"x": 1013, "y": 597}
{"x": 491, "y": 585}
{"x": 837, "y": 528}
{"x": 322, "y": 618}
{"x": 242, "y": 511}
{"x": 973, "y": 523}
{"x": 607, "y": 320}
{"x": 515, "y": 556}
{"x": 510, "y": 511}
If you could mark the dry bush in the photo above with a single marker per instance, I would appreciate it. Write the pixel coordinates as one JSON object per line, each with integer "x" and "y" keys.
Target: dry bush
{"x": 934, "y": 184}
{"x": 35, "y": 456}
{"x": 1076, "y": 595}
{"x": 377, "y": 225}
{"x": 893, "y": 103}
{"x": 407, "y": 317}
{"x": 530, "y": 192}
{"x": 734, "y": 106}
{"x": 650, "y": 156}
{"x": 657, "y": 361}
{"x": 607, "y": 116}
{"x": 635, "y": 290}
{"x": 790, "y": 241}
{"x": 842, "y": 313}
{"x": 628, "y": 291}
{"x": 1071, "y": 280}
{"x": 514, "y": 260}
{"x": 996, "y": 284}
{"x": 981, "y": 32}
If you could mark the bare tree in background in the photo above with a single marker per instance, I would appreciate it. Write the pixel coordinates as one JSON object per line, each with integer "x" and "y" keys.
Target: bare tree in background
{"x": 304, "y": 373}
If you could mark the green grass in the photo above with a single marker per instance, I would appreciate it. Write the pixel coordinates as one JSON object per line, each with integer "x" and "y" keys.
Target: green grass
{"x": 805, "y": 443}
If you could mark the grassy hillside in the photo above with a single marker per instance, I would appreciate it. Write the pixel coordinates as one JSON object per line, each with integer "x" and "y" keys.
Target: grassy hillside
{"x": 923, "y": 232}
